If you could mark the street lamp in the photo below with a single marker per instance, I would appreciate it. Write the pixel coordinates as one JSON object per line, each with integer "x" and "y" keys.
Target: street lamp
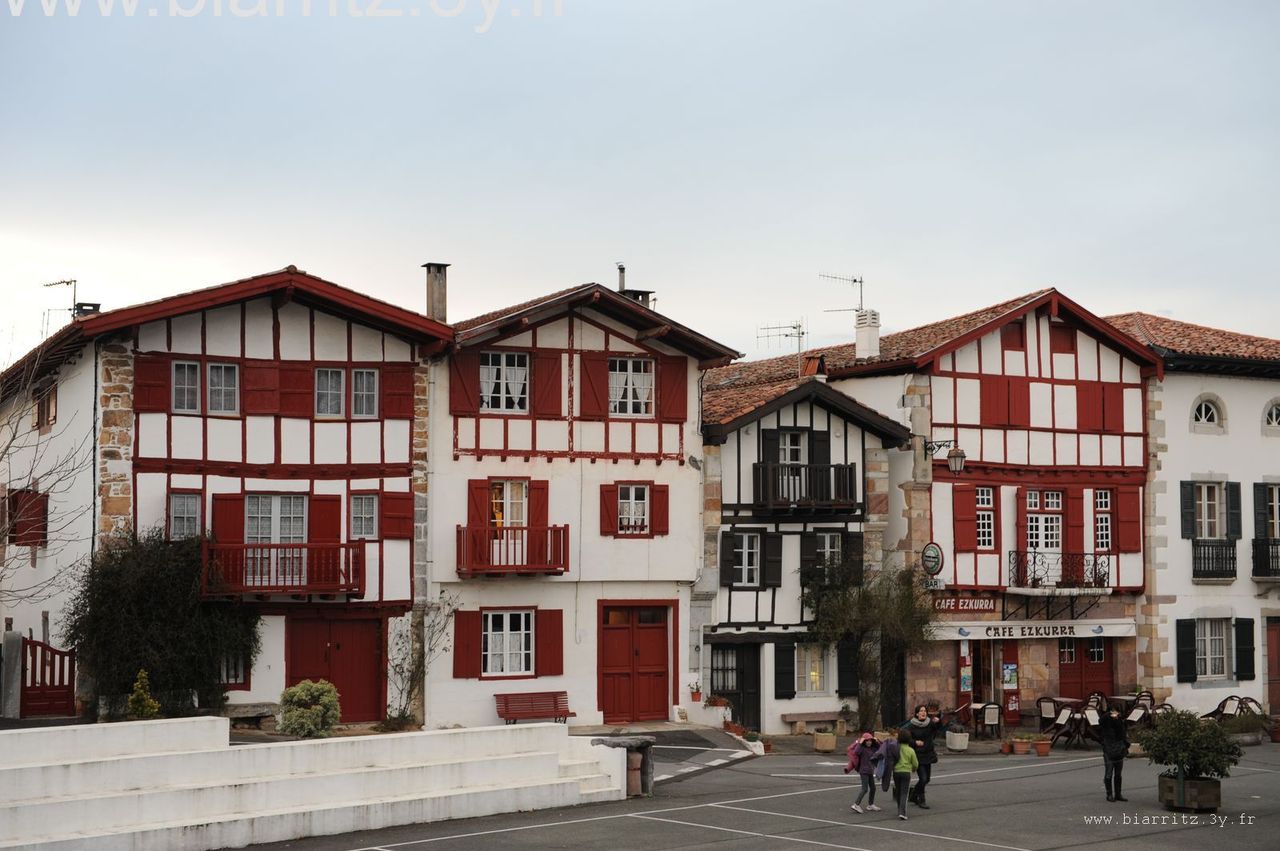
{"x": 955, "y": 458}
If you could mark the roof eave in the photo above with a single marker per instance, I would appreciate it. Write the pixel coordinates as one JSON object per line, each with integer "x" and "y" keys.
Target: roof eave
{"x": 1218, "y": 364}
{"x": 891, "y": 434}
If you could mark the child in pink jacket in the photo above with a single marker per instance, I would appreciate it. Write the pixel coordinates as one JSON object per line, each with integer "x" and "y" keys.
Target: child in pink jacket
{"x": 862, "y": 755}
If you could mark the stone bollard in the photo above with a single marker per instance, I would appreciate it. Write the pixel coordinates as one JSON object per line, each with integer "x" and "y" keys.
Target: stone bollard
{"x": 639, "y": 762}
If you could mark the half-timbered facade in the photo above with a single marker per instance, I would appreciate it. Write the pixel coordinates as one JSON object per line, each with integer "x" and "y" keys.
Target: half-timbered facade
{"x": 275, "y": 414}
{"x": 568, "y": 529}
{"x": 1210, "y": 619}
{"x": 800, "y": 477}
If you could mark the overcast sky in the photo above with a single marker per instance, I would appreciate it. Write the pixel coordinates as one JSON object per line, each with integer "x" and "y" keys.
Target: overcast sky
{"x": 954, "y": 154}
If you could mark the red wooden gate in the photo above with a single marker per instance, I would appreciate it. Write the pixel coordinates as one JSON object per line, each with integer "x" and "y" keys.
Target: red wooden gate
{"x": 48, "y": 680}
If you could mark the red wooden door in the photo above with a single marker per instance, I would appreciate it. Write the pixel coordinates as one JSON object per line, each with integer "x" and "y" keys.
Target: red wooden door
{"x": 634, "y": 667}
{"x": 348, "y": 654}
{"x": 1273, "y": 666}
{"x": 1085, "y": 665}
{"x": 48, "y": 680}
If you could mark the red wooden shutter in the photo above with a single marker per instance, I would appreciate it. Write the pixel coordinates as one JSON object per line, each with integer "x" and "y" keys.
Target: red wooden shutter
{"x": 466, "y": 645}
{"x": 1089, "y": 407}
{"x": 1062, "y": 339}
{"x": 261, "y": 387}
{"x": 1113, "y": 408}
{"x": 673, "y": 388}
{"x": 595, "y": 385}
{"x": 151, "y": 383}
{"x": 478, "y": 502}
{"x": 537, "y": 522}
{"x": 1020, "y": 507}
{"x": 659, "y": 508}
{"x": 1074, "y": 541}
{"x": 1013, "y": 337}
{"x": 1019, "y": 402}
{"x": 609, "y": 510}
{"x": 397, "y": 515}
{"x": 548, "y": 642}
{"x": 1128, "y": 519}
{"x": 29, "y": 518}
{"x": 546, "y": 385}
{"x": 297, "y": 390}
{"x": 964, "y": 508}
{"x": 464, "y": 383}
{"x": 228, "y": 518}
{"x": 324, "y": 519}
{"x": 994, "y": 394}
{"x": 396, "y": 391}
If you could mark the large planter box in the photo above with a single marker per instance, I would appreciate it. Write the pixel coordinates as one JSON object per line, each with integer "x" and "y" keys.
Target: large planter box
{"x": 957, "y": 741}
{"x": 1198, "y": 793}
{"x": 824, "y": 742}
{"x": 1246, "y": 740}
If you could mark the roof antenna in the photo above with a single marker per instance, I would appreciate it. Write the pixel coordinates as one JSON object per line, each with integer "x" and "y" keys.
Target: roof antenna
{"x": 70, "y": 282}
{"x": 846, "y": 279}
{"x": 793, "y": 330}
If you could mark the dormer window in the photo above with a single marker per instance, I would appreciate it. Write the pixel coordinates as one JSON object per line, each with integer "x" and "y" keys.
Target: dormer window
{"x": 504, "y": 382}
{"x": 631, "y": 387}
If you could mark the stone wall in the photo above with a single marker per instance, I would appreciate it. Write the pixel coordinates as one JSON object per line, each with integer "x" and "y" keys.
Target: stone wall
{"x": 115, "y": 438}
{"x": 1154, "y": 629}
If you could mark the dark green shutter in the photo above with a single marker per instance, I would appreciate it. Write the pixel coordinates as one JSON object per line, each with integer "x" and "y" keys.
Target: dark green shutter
{"x": 1188, "y": 490}
{"x": 771, "y": 577}
{"x": 765, "y": 480}
{"x": 809, "y": 559}
{"x": 853, "y": 554}
{"x": 820, "y": 471}
{"x": 1234, "y": 526}
{"x": 784, "y": 671}
{"x": 847, "y": 667}
{"x": 726, "y": 559}
{"x": 1244, "y": 649}
{"x": 1185, "y": 632}
{"x": 1260, "y": 510}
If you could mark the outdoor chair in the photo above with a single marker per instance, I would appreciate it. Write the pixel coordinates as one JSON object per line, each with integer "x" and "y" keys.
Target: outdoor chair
{"x": 1229, "y": 707}
{"x": 1140, "y": 714}
{"x": 1097, "y": 700}
{"x": 1063, "y": 725}
{"x": 1047, "y": 708}
{"x": 1145, "y": 698}
{"x": 1089, "y": 727}
{"x": 988, "y": 720}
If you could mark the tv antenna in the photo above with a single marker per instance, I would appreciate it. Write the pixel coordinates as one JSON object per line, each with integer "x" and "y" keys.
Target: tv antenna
{"x": 846, "y": 279}
{"x": 70, "y": 282}
{"x": 788, "y": 331}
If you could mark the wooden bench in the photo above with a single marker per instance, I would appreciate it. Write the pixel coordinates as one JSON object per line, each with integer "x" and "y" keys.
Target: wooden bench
{"x": 532, "y": 705}
{"x": 797, "y": 720}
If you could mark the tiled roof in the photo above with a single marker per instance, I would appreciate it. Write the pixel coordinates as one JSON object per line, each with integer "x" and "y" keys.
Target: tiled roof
{"x": 1185, "y": 338}
{"x": 904, "y": 345}
{"x": 486, "y": 318}
{"x": 727, "y": 404}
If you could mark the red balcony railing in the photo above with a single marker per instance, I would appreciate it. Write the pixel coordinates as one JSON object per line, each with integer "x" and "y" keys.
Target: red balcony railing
{"x": 512, "y": 550}
{"x": 283, "y": 568}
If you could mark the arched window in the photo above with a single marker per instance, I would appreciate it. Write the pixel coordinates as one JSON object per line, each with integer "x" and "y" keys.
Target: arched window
{"x": 1271, "y": 417}
{"x": 1206, "y": 413}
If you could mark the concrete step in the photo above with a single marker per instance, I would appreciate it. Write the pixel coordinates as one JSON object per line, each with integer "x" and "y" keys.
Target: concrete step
{"x": 111, "y": 808}
{"x": 54, "y": 745}
{"x": 595, "y": 788}
{"x": 236, "y": 831}
{"x": 578, "y": 767}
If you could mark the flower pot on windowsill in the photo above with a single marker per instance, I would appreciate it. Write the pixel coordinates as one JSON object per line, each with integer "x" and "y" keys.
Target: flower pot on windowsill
{"x": 695, "y": 696}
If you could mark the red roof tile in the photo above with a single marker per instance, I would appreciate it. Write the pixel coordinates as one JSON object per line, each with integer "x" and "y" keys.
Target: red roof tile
{"x": 486, "y": 318}
{"x": 725, "y": 405}
{"x": 1185, "y": 338}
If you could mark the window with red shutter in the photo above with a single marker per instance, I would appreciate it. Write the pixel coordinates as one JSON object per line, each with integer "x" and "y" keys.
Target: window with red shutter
{"x": 397, "y": 515}
{"x": 994, "y": 400}
{"x": 464, "y": 383}
{"x": 1129, "y": 519}
{"x": 466, "y": 645}
{"x": 1013, "y": 337}
{"x": 539, "y": 510}
{"x": 660, "y": 510}
{"x": 397, "y": 391}
{"x": 1113, "y": 408}
{"x": 673, "y": 389}
{"x": 548, "y": 637}
{"x": 228, "y": 518}
{"x": 1019, "y": 401}
{"x": 261, "y": 387}
{"x": 297, "y": 390}
{"x": 1089, "y": 406}
{"x": 1074, "y": 542}
{"x": 1062, "y": 339}
{"x": 609, "y": 510}
{"x": 546, "y": 385}
{"x": 150, "y": 383}
{"x": 595, "y": 385}
{"x": 964, "y": 509}
{"x": 28, "y": 518}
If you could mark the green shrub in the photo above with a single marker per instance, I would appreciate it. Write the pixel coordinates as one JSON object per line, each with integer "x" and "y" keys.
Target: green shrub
{"x": 1245, "y": 722}
{"x": 141, "y": 704}
{"x": 309, "y": 709}
{"x": 1189, "y": 746}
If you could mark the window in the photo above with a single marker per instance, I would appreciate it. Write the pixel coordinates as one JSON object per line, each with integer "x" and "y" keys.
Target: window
{"x": 504, "y": 382}
{"x": 329, "y": 392}
{"x": 1097, "y": 650}
{"x": 275, "y": 519}
{"x": 1206, "y": 413}
{"x": 224, "y": 386}
{"x": 46, "y": 406}
{"x": 1272, "y": 419}
{"x": 1044, "y": 529}
{"x": 986, "y": 516}
{"x": 1211, "y": 649}
{"x": 1053, "y": 501}
{"x": 233, "y": 671}
{"x": 631, "y": 387}
{"x": 633, "y": 509}
{"x": 1102, "y": 539}
{"x": 1062, "y": 339}
{"x": 364, "y": 515}
{"x": 1272, "y": 528}
{"x": 1066, "y": 651}
{"x": 508, "y": 502}
{"x": 746, "y": 558}
{"x": 724, "y": 668}
{"x": 364, "y": 392}
{"x": 506, "y": 643}
{"x": 186, "y": 387}
{"x": 184, "y": 515}
{"x": 791, "y": 447}
{"x": 1208, "y": 510}
{"x": 811, "y": 669}
{"x": 1013, "y": 337}
{"x": 830, "y": 545}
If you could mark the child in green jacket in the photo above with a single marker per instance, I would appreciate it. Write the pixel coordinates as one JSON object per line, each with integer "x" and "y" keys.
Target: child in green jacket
{"x": 907, "y": 763}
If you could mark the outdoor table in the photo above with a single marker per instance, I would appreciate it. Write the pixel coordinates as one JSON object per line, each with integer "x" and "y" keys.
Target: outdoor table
{"x": 1123, "y": 702}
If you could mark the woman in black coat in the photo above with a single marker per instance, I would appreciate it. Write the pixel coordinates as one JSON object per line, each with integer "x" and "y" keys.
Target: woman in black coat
{"x": 922, "y": 727}
{"x": 1115, "y": 746}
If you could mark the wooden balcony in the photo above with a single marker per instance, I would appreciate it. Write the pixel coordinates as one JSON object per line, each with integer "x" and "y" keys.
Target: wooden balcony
{"x": 805, "y": 487}
{"x": 1039, "y": 569}
{"x": 283, "y": 569}
{"x": 512, "y": 550}
{"x": 1213, "y": 560}
{"x": 1266, "y": 559}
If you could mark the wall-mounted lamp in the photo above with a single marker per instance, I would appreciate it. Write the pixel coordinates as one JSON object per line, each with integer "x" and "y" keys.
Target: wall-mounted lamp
{"x": 955, "y": 458}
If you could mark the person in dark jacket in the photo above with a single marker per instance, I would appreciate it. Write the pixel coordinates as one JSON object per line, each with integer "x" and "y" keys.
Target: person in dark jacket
{"x": 1115, "y": 746}
{"x": 922, "y": 727}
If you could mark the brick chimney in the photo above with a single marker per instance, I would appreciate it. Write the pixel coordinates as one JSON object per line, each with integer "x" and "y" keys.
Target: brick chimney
{"x": 437, "y": 290}
{"x": 867, "y": 338}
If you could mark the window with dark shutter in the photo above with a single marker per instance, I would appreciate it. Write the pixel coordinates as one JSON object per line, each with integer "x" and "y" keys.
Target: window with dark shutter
{"x": 397, "y": 515}
{"x": 771, "y": 577}
{"x": 1187, "y": 498}
{"x": 261, "y": 387}
{"x": 609, "y": 510}
{"x": 397, "y": 391}
{"x": 964, "y": 512}
{"x": 784, "y": 671}
{"x": 150, "y": 383}
{"x": 1113, "y": 409}
{"x": 1245, "y": 652}
{"x": 660, "y": 510}
{"x": 1185, "y": 633}
{"x": 847, "y": 665}
{"x": 1062, "y": 340}
{"x": 28, "y": 518}
{"x": 1129, "y": 520}
{"x": 1089, "y": 407}
{"x": 539, "y": 521}
{"x": 1019, "y": 402}
{"x": 994, "y": 400}
{"x": 853, "y": 550}
{"x": 297, "y": 391}
{"x": 809, "y": 559}
{"x": 726, "y": 559}
{"x": 1013, "y": 337}
{"x": 1235, "y": 527}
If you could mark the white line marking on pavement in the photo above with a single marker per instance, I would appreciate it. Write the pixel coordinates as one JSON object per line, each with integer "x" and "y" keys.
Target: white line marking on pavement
{"x": 751, "y": 833}
{"x": 687, "y": 769}
{"x": 661, "y": 777}
{"x": 687, "y": 748}
{"x": 850, "y": 778}
{"x": 873, "y": 827}
{"x": 717, "y": 762}
{"x": 1268, "y": 770}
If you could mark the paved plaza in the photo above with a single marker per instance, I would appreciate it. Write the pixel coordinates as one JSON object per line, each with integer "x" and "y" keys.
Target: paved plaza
{"x": 798, "y": 801}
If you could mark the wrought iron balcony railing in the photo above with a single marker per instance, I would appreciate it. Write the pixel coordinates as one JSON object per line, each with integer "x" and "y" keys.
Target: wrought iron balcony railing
{"x": 1266, "y": 558}
{"x": 1213, "y": 559}
{"x": 1042, "y": 569}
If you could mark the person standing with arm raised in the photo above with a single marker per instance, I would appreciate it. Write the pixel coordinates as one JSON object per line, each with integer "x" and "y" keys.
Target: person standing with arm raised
{"x": 922, "y": 727}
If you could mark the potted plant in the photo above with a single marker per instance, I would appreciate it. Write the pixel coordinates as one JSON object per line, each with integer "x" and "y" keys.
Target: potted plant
{"x": 957, "y": 737}
{"x": 1196, "y": 754}
{"x": 717, "y": 700}
{"x": 1022, "y": 743}
{"x": 1006, "y": 747}
{"x": 767, "y": 743}
{"x": 1042, "y": 743}
{"x": 824, "y": 740}
{"x": 695, "y": 691}
{"x": 751, "y": 736}
{"x": 1245, "y": 729}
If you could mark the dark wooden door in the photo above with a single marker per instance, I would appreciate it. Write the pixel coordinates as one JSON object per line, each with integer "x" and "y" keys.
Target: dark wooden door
{"x": 1085, "y": 665}
{"x": 735, "y": 675}
{"x": 348, "y": 654}
{"x": 633, "y": 660}
{"x": 1273, "y": 665}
